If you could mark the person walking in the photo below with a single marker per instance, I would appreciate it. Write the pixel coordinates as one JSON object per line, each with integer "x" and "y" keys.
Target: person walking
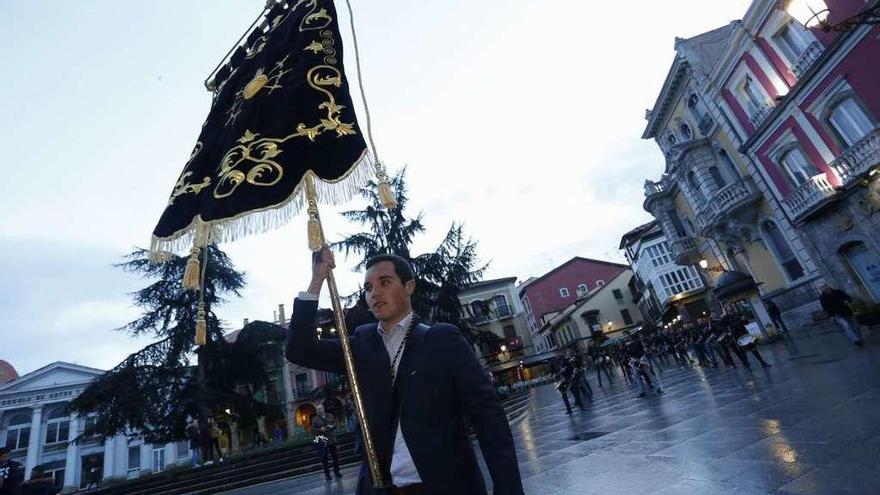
{"x": 721, "y": 339}
{"x": 416, "y": 377}
{"x": 835, "y": 302}
{"x": 11, "y": 473}
{"x": 743, "y": 341}
{"x": 195, "y": 447}
{"x": 324, "y": 429}
{"x": 776, "y": 316}
{"x": 601, "y": 364}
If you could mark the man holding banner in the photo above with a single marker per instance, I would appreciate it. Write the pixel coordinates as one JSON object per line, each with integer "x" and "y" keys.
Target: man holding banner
{"x": 420, "y": 383}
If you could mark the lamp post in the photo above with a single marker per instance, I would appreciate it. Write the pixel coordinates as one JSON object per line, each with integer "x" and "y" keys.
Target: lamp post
{"x": 815, "y": 13}
{"x": 705, "y": 266}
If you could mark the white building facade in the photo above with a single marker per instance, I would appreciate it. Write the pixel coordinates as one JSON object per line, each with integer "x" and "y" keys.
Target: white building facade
{"x": 34, "y": 423}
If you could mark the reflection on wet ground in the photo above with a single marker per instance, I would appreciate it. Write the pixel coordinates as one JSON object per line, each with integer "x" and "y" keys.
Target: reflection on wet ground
{"x": 808, "y": 425}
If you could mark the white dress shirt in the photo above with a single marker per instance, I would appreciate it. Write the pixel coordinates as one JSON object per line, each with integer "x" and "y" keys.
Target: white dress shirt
{"x": 403, "y": 469}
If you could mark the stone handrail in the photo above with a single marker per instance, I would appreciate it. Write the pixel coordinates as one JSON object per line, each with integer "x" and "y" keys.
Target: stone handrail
{"x": 54, "y": 447}
{"x": 860, "y": 158}
{"x": 726, "y": 199}
{"x": 808, "y": 195}
{"x": 806, "y": 60}
{"x": 760, "y": 114}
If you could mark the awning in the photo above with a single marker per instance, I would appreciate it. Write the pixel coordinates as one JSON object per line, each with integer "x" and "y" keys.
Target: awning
{"x": 526, "y": 361}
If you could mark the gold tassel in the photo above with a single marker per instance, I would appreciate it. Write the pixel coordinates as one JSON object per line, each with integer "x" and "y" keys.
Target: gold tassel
{"x": 201, "y": 326}
{"x": 386, "y": 196}
{"x": 315, "y": 240}
{"x": 193, "y": 271}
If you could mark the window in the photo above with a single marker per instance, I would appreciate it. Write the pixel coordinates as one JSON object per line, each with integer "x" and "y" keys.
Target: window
{"x": 57, "y": 426}
{"x": 795, "y": 164}
{"x": 582, "y": 289}
{"x": 754, "y": 96}
{"x": 696, "y": 107}
{"x": 849, "y": 122}
{"x": 659, "y": 254}
{"x": 480, "y": 310}
{"x": 134, "y": 458}
{"x": 563, "y": 292}
{"x": 683, "y": 279}
{"x": 182, "y": 449}
{"x": 159, "y": 459}
{"x": 627, "y": 319}
{"x": 19, "y": 432}
{"x": 501, "y": 307}
{"x": 617, "y": 294}
{"x": 716, "y": 176}
{"x": 600, "y": 283}
{"x": 792, "y": 41}
{"x": 686, "y": 132}
{"x": 780, "y": 248}
{"x": 676, "y": 223}
{"x": 670, "y": 139}
{"x": 727, "y": 165}
{"x": 695, "y": 187}
{"x": 509, "y": 333}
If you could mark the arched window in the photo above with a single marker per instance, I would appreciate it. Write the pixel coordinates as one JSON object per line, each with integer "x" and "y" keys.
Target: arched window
{"x": 717, "y": 177}
{"x": 57, "y": 426}
{"x": 796, "y": 166}
{"x": 781, "y": 249}
{"x": 479, "y": 310}
{"x": 18, "y": 433}
{"x": 501, "y": 307}
{"x": 686, "y": 133}
{"x": 727, "y": 165}
{"x": 694, "y": 105}
{"x": 792, "y": 40}
{"x": 695, "y": 187}
{"x": 849, "y": 122}
{"x": 689, "y": 227}
{"x": 670, "y": 139}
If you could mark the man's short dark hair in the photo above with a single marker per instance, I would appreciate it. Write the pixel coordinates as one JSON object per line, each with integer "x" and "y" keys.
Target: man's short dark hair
{"x": 402, "y": 267}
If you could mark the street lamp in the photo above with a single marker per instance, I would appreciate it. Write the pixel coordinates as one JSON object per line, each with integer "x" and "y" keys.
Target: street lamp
{"x": 705, "y": 266}
{"x": 503, "y": 348}
{"x": 814, "y": 13}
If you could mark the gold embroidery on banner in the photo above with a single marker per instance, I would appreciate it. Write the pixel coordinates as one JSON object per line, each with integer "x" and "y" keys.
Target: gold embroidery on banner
{"x": 184, "y": 187}
{"x": 315, "y": 19}
{"x": 270, "y": 81}
{"x": 258, "y": 153}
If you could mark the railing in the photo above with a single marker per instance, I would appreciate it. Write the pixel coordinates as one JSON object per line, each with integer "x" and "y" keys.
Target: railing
{"x": 19, "y": 453}
{"x": 760, "y": 114}
{"x": 809, "y": 195}
{"x": 706, "y": 124}
{"x": 54, "y": 447}
{"x": 684, "y": 249}
{"x": 727, "y": 199}
{"x": 652, "y": 188}
{"x": 860, "y": 158}
{"x": 806, "y": 60}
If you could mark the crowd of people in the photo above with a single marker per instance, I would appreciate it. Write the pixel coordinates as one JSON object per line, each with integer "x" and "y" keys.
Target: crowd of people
{"x": 710, "y": 342}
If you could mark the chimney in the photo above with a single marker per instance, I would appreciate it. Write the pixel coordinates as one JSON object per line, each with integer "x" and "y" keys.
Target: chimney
{"x": 281, "y": 318}
{"x": 246, "y": 321}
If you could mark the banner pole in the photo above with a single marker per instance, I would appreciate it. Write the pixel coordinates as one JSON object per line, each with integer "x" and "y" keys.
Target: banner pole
{"x": 348, "y": 357}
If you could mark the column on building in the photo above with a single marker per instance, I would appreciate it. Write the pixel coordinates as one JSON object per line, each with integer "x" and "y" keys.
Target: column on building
{"x": 35, "y": 442}
{"x": 110, "y": 456}
{"x": 71, "y": 467}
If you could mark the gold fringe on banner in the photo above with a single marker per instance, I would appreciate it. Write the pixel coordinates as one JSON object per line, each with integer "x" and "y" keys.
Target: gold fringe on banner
{"x": 193, "y": 272}
{"x": 386, "y": 195}
{"x": 271, "y": 217}
{"x": 316, "y": 237}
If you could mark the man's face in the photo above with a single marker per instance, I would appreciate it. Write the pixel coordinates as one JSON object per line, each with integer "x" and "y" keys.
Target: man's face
{"x": 387, "y": 296}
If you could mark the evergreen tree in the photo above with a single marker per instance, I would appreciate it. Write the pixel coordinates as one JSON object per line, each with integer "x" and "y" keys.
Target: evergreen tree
{"x": 153, "y": 391}
{"x": 440, "y": 274}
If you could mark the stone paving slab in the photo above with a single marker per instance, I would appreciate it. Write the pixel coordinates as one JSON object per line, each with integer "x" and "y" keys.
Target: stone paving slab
{"x": 810, "y": 425}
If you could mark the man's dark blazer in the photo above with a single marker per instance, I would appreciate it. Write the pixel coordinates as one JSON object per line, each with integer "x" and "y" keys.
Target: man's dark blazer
{"x": 439, "y": 383}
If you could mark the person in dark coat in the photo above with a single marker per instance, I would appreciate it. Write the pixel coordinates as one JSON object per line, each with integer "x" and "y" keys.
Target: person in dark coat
{"x": 324, "y": 429}
{"x": 737, "y": 328}
{"x": 11, "y": 473}
{"x": 835, "y": 302}
{"x": 775, "y": 315}
{"x": 420, "y": 383}
{"x": 39, "y": 484}
{"x": 195, "y": 444}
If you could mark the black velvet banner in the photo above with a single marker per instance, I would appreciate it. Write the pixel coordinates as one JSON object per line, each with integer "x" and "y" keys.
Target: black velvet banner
{"x": 284, "y": 109}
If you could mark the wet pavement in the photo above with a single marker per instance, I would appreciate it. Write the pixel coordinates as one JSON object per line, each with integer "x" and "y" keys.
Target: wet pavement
{"x": 808, "y": 425}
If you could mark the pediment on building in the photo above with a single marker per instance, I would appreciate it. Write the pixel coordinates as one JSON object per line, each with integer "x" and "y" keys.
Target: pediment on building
{"x": 55, "y": 375}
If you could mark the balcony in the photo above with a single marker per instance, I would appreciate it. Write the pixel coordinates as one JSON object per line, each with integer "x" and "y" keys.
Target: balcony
{"x": 726, "y": 201}
{"x": 859, "y": 159}
{"x": 19, "y": 453}
{"x": 53, "y": 448}
{"x": 760, "y": 114}
{"x": 685, "y": 251}
{"x": 706, "y": 124}
{"x": 806, "y": 60}
{"x": 808, "y": 197}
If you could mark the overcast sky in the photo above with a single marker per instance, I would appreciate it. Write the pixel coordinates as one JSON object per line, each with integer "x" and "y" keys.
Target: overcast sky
{"x": 520, "y": 118}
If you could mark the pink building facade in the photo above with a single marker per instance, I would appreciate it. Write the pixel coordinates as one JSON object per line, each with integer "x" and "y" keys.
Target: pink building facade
{"x": 562, "y": 286}
{"x": 807, "y": 106}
